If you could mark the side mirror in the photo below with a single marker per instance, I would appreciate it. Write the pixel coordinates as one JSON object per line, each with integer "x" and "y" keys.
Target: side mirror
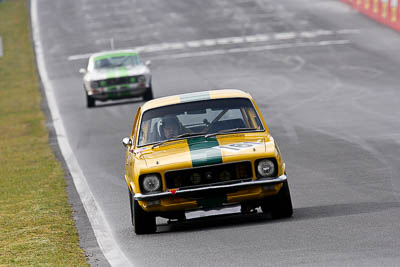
{"x": 148, "y": 63}
{"x": 82, "y": 71}
{"x": 127, "y": 141}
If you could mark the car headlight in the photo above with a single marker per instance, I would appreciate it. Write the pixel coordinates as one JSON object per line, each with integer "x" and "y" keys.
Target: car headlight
{"x": 266, "y": 168}
{"x": 141, "y": 79}
{"x": 151, "y": 183}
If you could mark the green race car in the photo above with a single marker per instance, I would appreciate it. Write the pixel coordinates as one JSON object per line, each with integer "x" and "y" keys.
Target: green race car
{"x": 116, "y": 75}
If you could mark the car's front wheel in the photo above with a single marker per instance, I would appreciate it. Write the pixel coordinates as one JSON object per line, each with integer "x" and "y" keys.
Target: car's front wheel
{"x": 280, "y": 205}
{"x": 142, "y": 222}
{"x": 90, "y": 101}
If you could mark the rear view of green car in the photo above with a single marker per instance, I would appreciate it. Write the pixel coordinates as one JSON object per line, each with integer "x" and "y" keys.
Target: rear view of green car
{"x": 116, "y": 74}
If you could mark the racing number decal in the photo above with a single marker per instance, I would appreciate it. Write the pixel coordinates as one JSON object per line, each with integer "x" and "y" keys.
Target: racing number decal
{"x": 239, "y": 146}
{"x": 207, "y": 151}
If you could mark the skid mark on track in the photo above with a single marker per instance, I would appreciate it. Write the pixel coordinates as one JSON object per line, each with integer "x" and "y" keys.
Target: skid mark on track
{"x": 367, "y": 72}
{"x": 325, "y": 94}
{"x": 298, "y": 62}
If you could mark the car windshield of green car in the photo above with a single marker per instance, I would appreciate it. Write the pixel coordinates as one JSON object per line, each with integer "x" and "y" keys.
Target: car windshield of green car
{"x": 114, "y": 61}
{"x": 201, "y": 118}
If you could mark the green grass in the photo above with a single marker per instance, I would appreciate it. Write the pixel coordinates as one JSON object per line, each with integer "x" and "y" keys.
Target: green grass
{"x": 36, "y": 225}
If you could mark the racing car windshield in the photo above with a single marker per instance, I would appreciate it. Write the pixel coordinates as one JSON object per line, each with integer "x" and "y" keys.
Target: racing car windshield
{"x": 207, "y": 118}
{"x": 117, "y": 60}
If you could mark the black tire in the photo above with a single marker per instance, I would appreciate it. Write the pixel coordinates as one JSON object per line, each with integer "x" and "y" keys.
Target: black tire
{"x": 149, "y": 94}
{"x": 142, "y": 222}
{"x": 280, "y": 205}
{"x": 90, "y": 101}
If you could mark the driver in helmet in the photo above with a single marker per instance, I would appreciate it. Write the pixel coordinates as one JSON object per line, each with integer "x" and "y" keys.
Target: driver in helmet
{"x": 171, "y": 127}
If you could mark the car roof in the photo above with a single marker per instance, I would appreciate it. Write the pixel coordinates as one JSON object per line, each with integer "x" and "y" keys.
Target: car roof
{"x": 193, "y": 97}
{"x": 113, "y": 52}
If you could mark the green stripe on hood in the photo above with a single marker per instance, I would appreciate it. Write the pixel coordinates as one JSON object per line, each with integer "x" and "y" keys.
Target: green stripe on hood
{"x": 117, "y": 72}
{"x": 123, "y": 72}
{"x": 204, "y": 151}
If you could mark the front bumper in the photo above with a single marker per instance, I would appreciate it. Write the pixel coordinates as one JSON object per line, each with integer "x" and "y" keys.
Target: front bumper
{"x": 119, "y": 92}
{"x": 209, "y": 190}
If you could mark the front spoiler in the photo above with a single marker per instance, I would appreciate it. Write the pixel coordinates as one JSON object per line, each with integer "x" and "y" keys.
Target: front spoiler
{"x": 212, "y": 189}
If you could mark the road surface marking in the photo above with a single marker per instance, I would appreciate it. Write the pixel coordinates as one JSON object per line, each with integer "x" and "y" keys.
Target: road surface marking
{"x": 250, "y": 49}
{"x": 257, "y": 38}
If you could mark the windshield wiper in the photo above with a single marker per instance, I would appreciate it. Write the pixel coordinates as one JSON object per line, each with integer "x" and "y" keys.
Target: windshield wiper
{"x": 176, "y": 138}
{"x": 230, "y": 131}
{"x": 189, "y": 134}
{"x": 162, "y": 142}
{"x": 202, "y": 134}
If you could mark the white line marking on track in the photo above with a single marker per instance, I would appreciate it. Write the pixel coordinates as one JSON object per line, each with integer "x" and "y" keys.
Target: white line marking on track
{"x": 257, "y": 38}
{"x": 210, "y": 42}
{"x": 285, "y": 35}
{"x": 308, "y": 34}
{"x": 228, "y": 41}
{"x": 223, "y": 41}
{"x": 238, "y": 40}
{"x": 156, "y": 48}
{"x": 324, "y": 32}
{"x": 99, "y": 224}
{"x": 82, "y": 56}
{"x": 174, "y": 46}
{"x": 250, "y": 49}
{"x": 194, "y": 44}
{"x": 348, "y": 31}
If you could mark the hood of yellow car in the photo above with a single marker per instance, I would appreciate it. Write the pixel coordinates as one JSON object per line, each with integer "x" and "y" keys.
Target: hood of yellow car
{"x": 201, "y": 151}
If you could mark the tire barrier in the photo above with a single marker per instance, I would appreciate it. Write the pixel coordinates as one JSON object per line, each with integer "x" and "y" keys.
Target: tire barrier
{"x": 384, "y": 11}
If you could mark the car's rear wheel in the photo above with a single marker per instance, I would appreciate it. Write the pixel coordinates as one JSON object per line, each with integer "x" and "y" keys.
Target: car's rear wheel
{"x": 280, "y": 205}
{"x": 90, "y": 101}
{"x": 142, "y": 222}
{"x": 149, "y": 94}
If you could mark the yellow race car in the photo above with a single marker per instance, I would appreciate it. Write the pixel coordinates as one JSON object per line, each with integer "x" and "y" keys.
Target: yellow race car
{"x": 204, "y": 150}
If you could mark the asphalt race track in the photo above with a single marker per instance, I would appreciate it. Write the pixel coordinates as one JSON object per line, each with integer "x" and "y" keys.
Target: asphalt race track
{"x": 327, "y": 81}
